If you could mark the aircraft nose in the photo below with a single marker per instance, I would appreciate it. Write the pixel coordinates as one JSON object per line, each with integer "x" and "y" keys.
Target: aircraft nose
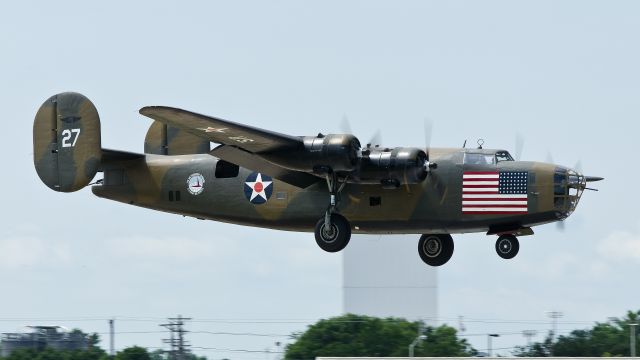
{"x": 568, "y": 186}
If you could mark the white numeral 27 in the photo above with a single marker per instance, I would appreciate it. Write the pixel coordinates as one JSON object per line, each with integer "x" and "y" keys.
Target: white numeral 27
{"x": 66, "y": 137}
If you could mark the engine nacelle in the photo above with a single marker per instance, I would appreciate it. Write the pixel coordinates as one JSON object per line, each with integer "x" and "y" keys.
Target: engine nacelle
{"x": 336, "y": 152}
{"x": 393, "y": 167}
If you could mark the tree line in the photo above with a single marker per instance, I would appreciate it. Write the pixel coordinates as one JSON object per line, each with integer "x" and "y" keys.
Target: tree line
{"x": 364, "y": 336}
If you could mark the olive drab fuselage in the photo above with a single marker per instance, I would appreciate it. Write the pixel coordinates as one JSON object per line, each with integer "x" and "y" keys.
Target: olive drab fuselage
{"x": 160, "y": 182}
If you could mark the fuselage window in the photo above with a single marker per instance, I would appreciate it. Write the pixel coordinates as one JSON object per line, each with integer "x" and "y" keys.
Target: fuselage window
{"x": 478, "y": 159}
{"x": 503, "y": 156}
{"x": 225, "y": 169}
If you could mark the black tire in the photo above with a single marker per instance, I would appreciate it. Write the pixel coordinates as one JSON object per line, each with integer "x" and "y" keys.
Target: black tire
{"x": 507, "y": 246}
{"x": 435, "y": 250}
{"x": 338, "y": 238}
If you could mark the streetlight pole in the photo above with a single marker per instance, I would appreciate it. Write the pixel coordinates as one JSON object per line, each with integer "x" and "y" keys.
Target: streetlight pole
{"x": 632, "y": 339}
{"x": 489, "y": 347}
{"x": 414, "y": 343}
{"x": 529, "y": 334}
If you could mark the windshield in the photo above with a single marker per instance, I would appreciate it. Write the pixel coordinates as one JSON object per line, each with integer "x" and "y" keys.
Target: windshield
{"x": 478, "y": 159}
{"x": 503, "y": 156}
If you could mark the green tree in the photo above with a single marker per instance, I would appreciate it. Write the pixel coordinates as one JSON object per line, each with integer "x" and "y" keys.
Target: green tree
{"x": 133, "y": 353}
{"x": 51, "y": 354}
{"x": 603, "y": 339}
{"x": 356, "y": 335}
{"x": 162, "y": 355}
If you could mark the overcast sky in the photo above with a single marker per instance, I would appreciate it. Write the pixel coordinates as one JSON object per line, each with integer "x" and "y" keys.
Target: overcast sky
{"x": 564, "y": 74}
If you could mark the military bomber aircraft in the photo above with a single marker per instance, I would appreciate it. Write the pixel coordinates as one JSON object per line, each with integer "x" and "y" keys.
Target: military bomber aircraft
{"x": 328, "y": 184}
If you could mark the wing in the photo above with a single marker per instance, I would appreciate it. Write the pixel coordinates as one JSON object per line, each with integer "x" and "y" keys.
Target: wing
{"x": 221, "y": 131}
{"x": 240, "y": 144}
{"x": 256, "y": 163}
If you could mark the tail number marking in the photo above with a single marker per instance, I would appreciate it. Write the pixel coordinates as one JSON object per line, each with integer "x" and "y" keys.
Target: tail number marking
{"x": 69, "y": 137}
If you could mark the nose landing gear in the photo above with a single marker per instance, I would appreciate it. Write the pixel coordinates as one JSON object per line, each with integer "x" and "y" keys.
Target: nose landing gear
{"x": 507, "y": 246}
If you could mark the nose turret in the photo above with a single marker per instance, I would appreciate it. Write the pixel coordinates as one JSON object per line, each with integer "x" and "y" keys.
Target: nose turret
{"x": 568, "y": 187}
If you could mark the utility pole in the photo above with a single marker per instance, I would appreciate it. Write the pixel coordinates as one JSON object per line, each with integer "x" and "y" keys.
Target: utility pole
{"x": 112, "y": 348}
{"x": 489, "y": 345}
{"x": 529, "y": 334}
{"x": 179, "y": 347}
{"x": 632, "y": 339}
{"x": 554, "y": 315}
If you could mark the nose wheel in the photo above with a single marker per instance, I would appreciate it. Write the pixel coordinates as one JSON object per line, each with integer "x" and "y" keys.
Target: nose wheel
{"x": 507, "y": 246}
{"x": 435, "y": 250}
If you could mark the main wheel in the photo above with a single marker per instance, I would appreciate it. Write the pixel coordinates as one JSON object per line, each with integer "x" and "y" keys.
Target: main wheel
{"x": 336, "y": 237}
{"x": 435, "y": 250}
{"x": 507, "y": 246}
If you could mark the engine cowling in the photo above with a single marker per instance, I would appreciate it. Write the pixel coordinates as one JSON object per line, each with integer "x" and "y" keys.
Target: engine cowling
{"x": 393, "y": 167}
{"x": 335, "y": 152}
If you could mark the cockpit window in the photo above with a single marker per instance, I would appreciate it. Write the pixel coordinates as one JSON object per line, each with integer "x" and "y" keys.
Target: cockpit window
{"x": 478, "y": 159}
{"x": 503, "y": 156}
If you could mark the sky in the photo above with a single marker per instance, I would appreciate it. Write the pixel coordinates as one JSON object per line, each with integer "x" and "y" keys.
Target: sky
{"x": 563, "y": 74}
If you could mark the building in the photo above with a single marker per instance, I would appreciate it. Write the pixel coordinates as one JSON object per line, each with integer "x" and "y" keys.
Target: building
{"x": 383, "y": 276}
{"x": 40, "y": 337}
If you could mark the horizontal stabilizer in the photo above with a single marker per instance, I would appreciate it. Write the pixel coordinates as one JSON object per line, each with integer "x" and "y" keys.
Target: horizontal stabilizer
{"x": 109, "y": 156}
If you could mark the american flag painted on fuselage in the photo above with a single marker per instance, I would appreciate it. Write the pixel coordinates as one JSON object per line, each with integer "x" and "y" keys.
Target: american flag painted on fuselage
{"x": 494, "y": 192}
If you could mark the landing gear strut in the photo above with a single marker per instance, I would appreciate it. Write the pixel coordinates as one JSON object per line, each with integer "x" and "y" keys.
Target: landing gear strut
{"x": 333, "y": 231}
{"x": 507, "y": 246}
{"x": 435, "y": 250}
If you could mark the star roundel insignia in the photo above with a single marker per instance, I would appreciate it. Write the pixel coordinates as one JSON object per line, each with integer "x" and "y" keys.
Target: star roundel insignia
{"x": 258, "y": 188}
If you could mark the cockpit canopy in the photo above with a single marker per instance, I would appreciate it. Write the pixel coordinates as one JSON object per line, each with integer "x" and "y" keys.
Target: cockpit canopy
{"x": 486, "y": 157}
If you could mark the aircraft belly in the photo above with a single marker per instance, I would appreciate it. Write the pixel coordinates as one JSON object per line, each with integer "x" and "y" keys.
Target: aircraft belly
{"x": 188, "y": 185}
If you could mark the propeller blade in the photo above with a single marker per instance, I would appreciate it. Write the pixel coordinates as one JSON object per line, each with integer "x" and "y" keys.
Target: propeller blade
{"x": 345, "y": 125}
{"x": 519, "y": 146}
{"x": 428, "y": 130}
{"x": 376, "y": 138}
{"x": 578, "y": 166}
{"x": 561, "y": 225}
{"x": 549, "y": 158}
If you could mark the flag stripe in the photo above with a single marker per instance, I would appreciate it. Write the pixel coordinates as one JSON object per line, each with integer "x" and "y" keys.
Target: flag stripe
{"x": 479, "y": 182}
{"x": 501, "y": 202}
{"x": 493, "y": 196}
{"x": 480, "y": 190}
{"x": 491, "y": 212}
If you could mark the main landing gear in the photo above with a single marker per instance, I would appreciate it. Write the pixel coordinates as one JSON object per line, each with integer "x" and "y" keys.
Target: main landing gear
{"x": 335, "y": 236}
{"x": 333, "y": 231}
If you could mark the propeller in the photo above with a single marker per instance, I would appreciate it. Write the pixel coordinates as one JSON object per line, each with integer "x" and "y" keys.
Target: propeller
{"x": 376, "y": 138}
{"x": 519, "y": 146}
{"x": 428, "y": 130}
{"x": 439, "y": 186}
{"x": 345, "y": 125}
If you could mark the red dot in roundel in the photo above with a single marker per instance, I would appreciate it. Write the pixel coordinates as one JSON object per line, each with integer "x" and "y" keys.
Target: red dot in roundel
{"x": 258, "y": 187}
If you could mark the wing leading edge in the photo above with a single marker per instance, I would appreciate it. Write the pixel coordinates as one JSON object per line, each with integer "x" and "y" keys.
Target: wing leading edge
{"x": 221, "y": 131}
{"x": 240, "y": 144}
